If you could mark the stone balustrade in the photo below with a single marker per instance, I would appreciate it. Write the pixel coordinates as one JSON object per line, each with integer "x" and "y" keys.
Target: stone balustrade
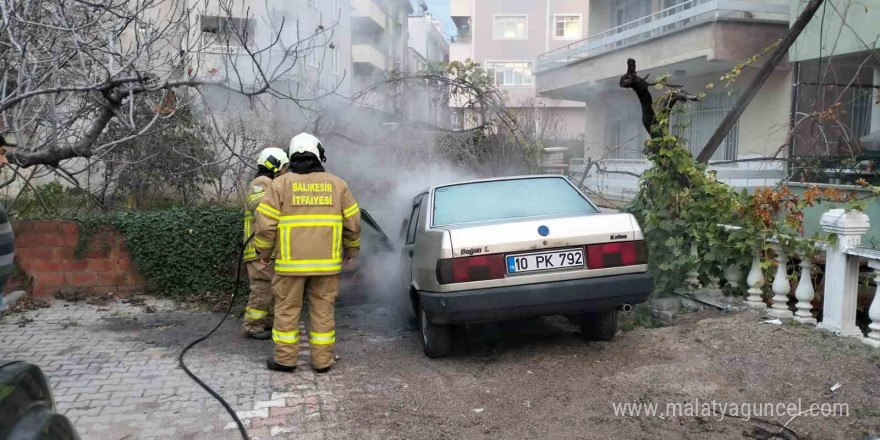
{"x": 843, "y": 256}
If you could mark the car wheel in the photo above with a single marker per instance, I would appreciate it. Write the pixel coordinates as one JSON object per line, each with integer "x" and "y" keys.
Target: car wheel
{"x": 436, "y": 338}
{"x": 599, "y": 326}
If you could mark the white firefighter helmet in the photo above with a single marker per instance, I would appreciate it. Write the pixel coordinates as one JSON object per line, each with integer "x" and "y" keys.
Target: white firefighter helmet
{"x": 306, "y": 143}
{"x": 272, "y": 159}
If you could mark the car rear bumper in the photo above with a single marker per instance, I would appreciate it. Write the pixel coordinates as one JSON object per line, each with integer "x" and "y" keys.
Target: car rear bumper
{"x": 559, "y": 298}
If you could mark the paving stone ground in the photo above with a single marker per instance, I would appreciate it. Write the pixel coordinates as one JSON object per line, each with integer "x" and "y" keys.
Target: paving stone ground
{"x": 114, "y": 382}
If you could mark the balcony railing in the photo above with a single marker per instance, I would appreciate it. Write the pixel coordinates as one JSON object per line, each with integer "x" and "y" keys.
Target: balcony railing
{"x": 466, "y": 39}
{"x": 664, "y": 22}
{"x": 367, "y": 53}
{"x": 369, "y": 9}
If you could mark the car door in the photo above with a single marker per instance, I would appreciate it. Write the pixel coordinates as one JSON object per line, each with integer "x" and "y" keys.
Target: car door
{"x": 363, "y": 280}
{"x": 409, "y": 239}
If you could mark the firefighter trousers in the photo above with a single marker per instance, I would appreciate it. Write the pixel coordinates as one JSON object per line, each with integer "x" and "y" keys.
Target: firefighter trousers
{"x": 321, "y": 292}
{"x": 258, "y": 312}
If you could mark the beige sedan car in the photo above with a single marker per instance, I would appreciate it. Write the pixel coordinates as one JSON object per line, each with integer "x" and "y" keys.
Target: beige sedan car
{"x": 519, "y": 247}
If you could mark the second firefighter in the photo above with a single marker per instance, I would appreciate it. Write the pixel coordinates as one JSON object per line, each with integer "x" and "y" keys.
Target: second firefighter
{"x": 271, "y": 162}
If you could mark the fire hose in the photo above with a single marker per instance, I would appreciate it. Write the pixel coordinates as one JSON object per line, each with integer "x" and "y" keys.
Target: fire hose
{"x": 192, "y": 344}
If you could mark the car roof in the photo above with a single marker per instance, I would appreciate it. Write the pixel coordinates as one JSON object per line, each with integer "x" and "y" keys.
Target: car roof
{"x": 494, "y": 179}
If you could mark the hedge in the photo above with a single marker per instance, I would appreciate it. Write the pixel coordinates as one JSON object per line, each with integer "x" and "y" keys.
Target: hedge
{"x": 180, "y": 251}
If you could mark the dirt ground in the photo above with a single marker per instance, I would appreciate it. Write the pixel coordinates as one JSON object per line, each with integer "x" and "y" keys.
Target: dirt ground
{"x": 538, "y": 379}
{"x": 522, "y": 379}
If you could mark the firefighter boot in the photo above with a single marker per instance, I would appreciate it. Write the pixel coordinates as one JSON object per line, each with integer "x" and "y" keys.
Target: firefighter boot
{"x": 270, "y": 363}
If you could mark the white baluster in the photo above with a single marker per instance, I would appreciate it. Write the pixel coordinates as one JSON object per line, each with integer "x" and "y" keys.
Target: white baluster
{"x": 805, "y": 293}
{"x": 842, "y": 271}
{"x": 755, "y": 280}
{"x": 733, "y": 274}
{"x": 781, "y": 286}
{"x": 693, "y": 280}
{"x": 714, "y": 287}
{"x": 873, "y": 338}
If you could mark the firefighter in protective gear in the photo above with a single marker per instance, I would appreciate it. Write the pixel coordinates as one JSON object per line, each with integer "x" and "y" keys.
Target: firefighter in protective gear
{"x": 311, "y": 221}
{"x": 271, "y": 163}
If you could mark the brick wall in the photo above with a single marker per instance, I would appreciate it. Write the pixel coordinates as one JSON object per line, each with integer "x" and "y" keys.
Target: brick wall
{"x": 45, "y": 251}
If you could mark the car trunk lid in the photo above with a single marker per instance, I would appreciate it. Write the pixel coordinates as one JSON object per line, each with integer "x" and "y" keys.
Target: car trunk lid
{"x": 535, "y": 234}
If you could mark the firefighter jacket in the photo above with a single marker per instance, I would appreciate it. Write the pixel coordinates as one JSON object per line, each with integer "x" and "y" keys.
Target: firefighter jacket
{"x": 256, "y": 191}
{"x": 307, "y": 220}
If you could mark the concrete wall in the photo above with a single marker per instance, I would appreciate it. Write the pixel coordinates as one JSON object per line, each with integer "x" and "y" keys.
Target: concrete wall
{"x": 45, "y": 251}
{"x": 571, "y": 121}
{"x": 762, "y": 129}
{"x": 763, "y": 126}
{"x": 862, "y": 18}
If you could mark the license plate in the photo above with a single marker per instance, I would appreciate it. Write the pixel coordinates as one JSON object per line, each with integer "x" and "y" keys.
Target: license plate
{"x": 560, "y": 259}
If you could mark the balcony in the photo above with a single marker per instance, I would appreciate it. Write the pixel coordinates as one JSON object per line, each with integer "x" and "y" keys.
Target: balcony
{"x": 691, "y": 39}
{"x": 668, "y": 21}
{"x": 368, "y": 9}
{"x": 368, "y": 54}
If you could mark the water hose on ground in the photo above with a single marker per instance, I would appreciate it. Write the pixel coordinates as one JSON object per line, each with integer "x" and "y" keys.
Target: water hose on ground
{"x": 192, "y": 344}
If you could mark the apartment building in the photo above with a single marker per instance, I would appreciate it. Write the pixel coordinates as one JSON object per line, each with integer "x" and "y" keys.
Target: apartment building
{"x": 428, "y": 46}
{"x": 426, "y": 40}
{"x": 379, "y": 43}
{"x": 507, "y": 36}
{"x": 311, "y": 56}
{"x": 694, "y": 41}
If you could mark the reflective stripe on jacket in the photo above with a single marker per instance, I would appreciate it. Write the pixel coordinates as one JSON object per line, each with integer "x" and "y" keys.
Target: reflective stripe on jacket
{"x": 308, "y": 220}
{"x": 256, "y": 192}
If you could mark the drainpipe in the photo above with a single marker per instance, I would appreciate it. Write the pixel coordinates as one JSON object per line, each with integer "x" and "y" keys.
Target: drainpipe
{"x": 548, "y": 21}
{"x": 795, "y": 89}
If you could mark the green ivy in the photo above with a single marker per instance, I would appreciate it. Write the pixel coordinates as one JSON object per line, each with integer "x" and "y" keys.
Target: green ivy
{"x": 682, "y": 206}
{"x": 180, "y": 251}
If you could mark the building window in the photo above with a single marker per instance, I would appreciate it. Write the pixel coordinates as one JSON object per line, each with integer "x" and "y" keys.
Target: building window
{"x": 223, "y": 31}
{"x": 510, "y": 27}
{"x": 312, "y": 59}
{"x": 510, "y": 73}
{"x": 457, "y": 116}
{"x": 861, "y": 111}
{"x": 567, "y": 27}
{"x": 625, "y": 137}
{"x": 700, "y": 120}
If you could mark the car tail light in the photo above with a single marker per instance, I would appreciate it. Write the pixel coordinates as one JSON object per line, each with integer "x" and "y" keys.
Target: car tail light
{"x": 462, "y": 270}
{"x": 626, "y": 253}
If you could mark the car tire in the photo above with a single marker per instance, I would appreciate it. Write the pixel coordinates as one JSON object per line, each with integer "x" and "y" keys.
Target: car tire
{"x": 599, "y": 326}
{"x": 415, "y": 308}
{"x": 436, "y": 338}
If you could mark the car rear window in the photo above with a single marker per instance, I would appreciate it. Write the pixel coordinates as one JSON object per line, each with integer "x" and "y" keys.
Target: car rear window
{"x": 506, "y": 199}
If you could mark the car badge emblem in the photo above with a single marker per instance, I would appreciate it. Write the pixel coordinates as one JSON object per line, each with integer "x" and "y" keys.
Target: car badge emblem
{"x": 544, "y": 231}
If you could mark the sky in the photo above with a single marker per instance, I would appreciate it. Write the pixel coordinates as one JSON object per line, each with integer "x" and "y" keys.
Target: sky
{"x": 440, "y": 10}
